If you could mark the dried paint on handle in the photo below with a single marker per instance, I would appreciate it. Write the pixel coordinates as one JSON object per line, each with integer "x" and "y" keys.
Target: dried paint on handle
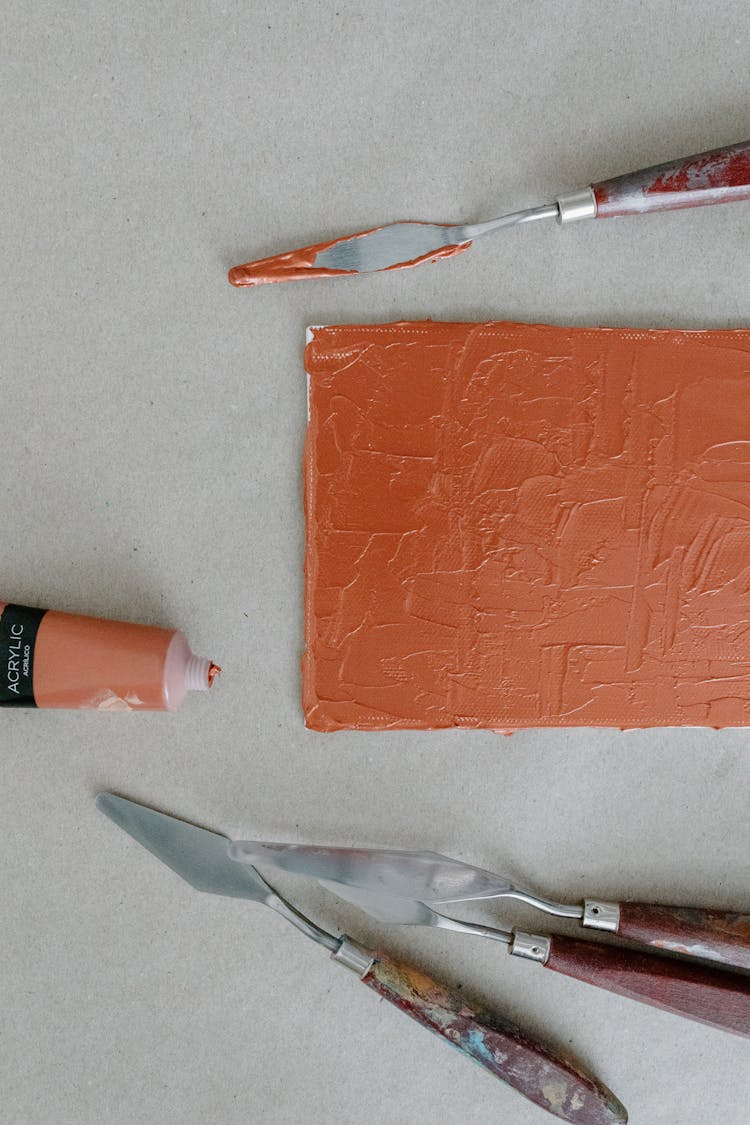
{"x": 699, "y": 992}
{"x": 711, "y": 934}
{"x": 64, "y": 660}
{"x": 549, "y": 1080}
{"x": 719, "y": 176}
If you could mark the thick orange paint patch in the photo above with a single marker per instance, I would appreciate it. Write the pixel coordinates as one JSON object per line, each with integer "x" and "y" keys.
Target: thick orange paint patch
{"x": 516, "y": 526}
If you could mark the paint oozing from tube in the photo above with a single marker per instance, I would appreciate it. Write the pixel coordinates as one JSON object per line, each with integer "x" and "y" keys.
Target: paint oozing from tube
{"x": 296, "y": 265}
{"x": 514, "y": 526}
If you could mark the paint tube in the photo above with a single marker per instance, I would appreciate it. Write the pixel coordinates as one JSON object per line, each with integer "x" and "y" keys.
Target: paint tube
{"x": 64, "y": 660}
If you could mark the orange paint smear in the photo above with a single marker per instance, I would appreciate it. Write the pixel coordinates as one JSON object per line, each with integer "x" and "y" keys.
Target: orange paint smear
{"x": 297, "y": 265}
{"x": 527, "y": 526}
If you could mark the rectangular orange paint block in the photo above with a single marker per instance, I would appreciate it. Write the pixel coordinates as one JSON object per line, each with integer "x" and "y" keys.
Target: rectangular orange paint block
{"x": 514, "y": 525}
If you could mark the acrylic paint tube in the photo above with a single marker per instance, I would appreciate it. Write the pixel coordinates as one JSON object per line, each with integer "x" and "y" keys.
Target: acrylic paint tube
{"x": 51, "y": 659}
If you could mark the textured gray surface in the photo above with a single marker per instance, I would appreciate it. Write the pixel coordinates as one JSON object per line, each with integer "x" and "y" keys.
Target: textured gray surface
{"x": 153, "y": 422}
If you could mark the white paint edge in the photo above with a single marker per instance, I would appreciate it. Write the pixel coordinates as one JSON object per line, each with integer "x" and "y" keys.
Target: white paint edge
{"x": 308, "y": 339}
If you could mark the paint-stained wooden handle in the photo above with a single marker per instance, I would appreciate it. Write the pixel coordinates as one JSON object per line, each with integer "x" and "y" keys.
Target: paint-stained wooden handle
{"x": 710, "y": 934}
{"x": 720, "y": 176}
{"x": 551, "y": 1081}
{"x": 700, "y": 992}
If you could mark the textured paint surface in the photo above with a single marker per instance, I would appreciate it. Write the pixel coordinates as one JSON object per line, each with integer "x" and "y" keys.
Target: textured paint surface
{"x": 719, "y": 176}
{"x": 514, "y": 525}
{"x": 549, "y": 1080}
{"x": 711, "y": 934}
{"x": 296, "y": 265}
{"x": 684, "y": 987}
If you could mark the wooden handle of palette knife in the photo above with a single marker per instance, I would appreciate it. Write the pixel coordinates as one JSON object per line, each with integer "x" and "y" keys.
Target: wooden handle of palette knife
{"x": 720, "y": 176}
{"x": 700, "y": 992}
{"x": 551, "y": 1081}
{"x": 711, "y": 934}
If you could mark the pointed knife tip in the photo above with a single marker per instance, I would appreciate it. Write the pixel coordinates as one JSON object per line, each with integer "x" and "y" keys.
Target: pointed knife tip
{"x": 107, "y": 802}
{"x": 619, "y": 1114}
{"x": 241, "y": 276}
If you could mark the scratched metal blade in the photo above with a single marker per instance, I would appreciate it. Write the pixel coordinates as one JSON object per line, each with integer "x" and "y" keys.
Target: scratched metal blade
{"x": 387, "y": 247}
{"x": 425, "y": 876}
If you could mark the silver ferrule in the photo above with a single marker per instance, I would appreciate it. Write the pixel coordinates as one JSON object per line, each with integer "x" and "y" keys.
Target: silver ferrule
{"x": 599, "y": 915}
{"x": 353, "y": 956}
{"x": 533, "y": 947}
{"x": 576, "y": 205}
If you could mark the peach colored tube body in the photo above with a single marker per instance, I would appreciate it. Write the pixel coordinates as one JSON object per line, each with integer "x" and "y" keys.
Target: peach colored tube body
{"x": 87, "y": 662}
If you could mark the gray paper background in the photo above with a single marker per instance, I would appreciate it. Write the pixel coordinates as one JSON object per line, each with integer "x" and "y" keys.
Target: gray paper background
{"x": 152, "y": 428}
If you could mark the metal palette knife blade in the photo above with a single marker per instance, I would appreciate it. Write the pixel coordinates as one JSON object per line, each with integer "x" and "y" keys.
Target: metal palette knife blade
{"x": 196, "y": 854}
{"x": 426, "y": 876}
